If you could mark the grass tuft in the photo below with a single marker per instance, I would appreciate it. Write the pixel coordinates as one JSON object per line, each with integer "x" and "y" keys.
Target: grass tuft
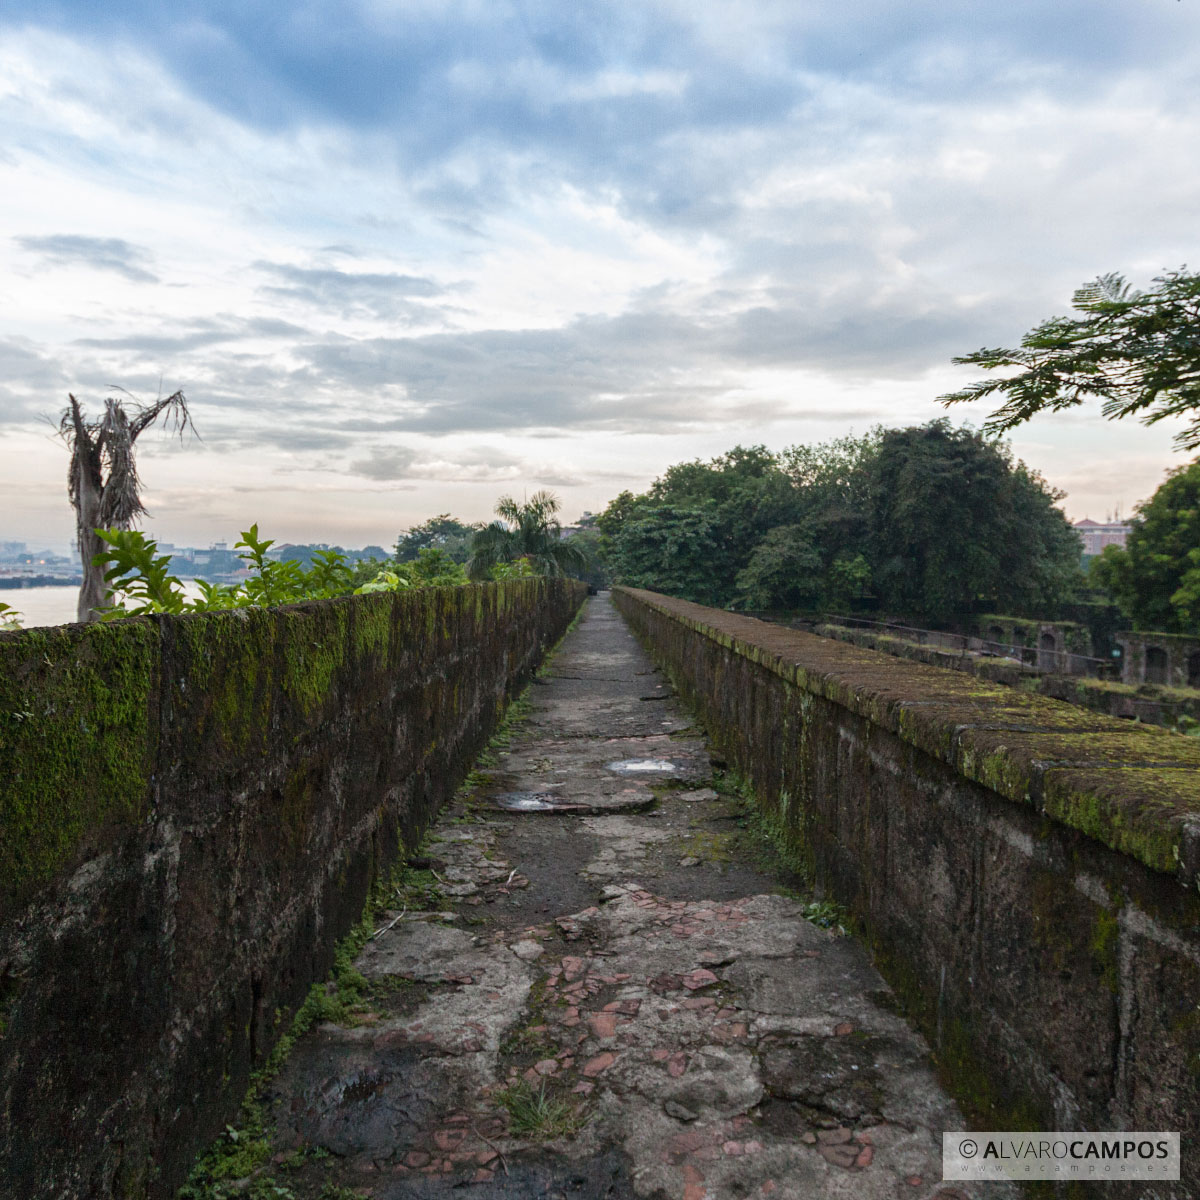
{"x": 534, "y": 1114}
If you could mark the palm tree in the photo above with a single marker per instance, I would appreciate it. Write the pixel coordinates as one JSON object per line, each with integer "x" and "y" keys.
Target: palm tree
{"x": 103, "y": 482}
{"x": 530, "y": 531}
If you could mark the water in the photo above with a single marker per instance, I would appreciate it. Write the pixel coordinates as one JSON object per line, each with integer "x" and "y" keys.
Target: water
{"x": 526, "y": 801}
{"x": 54, "y": 605}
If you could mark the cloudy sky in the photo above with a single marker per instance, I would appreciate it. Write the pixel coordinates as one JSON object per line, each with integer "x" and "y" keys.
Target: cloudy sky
{"x": 405, "y": 255}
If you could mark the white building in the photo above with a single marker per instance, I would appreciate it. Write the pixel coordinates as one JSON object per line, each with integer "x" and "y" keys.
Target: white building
{"x": 1097, "y": 535}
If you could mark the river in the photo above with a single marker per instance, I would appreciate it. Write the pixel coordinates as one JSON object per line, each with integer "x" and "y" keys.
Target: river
{"x": 54, "y": 605}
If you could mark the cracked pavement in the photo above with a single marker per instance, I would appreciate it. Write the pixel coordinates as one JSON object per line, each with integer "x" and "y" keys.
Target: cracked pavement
{"x": 619, "y": 957}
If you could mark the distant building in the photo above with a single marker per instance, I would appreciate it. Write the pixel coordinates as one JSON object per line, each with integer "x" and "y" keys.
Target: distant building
{"x": 1096, "y": 535}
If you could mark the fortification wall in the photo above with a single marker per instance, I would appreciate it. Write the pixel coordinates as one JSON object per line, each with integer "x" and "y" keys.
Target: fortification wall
{"x": 192, "y": 812}
{"x": 1025, "y": 871}
{"x": 1142, "y": 702}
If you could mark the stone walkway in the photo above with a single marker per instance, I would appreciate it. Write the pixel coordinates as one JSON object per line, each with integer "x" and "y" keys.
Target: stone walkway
{"x": 610, "y": 998}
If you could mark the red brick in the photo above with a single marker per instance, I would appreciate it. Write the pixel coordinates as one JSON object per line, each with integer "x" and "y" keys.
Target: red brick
{"x": 594, "y": 1066}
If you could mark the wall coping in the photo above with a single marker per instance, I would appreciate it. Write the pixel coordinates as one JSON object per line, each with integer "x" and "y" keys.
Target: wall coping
{"x": 1135, "y": 788}
{"x": 1141, "y": 636}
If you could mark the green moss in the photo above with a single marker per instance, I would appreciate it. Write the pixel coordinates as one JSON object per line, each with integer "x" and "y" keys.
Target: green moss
{"x": 1138, "y": 811}
{"x": 76, "y": 740}
{"x": 222, "y": 670}
{"x": 975, "y": 1085}
{"x": 1106, "y": 934}
{"x": 707, "y": 846}
{"x": 1143, "y": 636}
{"x": 373, "y": 626}
{"x": 315, "y": 641}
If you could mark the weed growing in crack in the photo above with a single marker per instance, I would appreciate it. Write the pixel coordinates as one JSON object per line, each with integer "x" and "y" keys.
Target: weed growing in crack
{"x": 331, "y": 1191}
{"x": 418, "y": 890}
{"x": 236, "y": 1157}
{"x": 534, "y": 1114}
{"x": 828, "y": 914}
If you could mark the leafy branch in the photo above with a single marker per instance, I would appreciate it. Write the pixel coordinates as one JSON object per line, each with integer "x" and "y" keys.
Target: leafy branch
{"x": 1138, "y": 352}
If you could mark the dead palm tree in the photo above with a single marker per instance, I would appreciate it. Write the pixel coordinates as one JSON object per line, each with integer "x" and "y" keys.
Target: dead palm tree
{"x": 528, "y": 530}
{"x": 103, "y": 482}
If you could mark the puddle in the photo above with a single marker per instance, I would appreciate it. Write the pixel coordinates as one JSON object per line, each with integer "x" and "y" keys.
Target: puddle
{"x": 629, "y": 800}
{"x": 526, "y": 801}
{"x": 631, "y": 766}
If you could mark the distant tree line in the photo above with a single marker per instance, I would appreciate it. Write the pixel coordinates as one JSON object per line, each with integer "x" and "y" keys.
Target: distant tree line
{"x": 930, "y": 520}
{"x": 442, "y": 552}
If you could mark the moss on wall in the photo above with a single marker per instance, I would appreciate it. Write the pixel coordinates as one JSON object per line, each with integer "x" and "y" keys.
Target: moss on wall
{"x": 77, "y": 732}
{"x": 1006, "y": 740}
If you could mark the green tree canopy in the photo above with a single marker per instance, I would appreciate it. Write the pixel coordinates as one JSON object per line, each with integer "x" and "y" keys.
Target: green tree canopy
{"x": 955, "y": 523}
{"x": 784, "y": 571}
{"x": 1156, "y": 578}
{"x": 931, "y": 521}
{"x": 526, "y": 530}
{"x": 670, "y": 548}
{"x": 697, "y": 526}
{"x": 442, "y": 532}
{"x": 1138, "y": 352}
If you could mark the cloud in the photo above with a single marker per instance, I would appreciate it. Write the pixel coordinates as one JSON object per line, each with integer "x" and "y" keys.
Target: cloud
{"x": 100, "y": 253}
{"x": 425, "y": 223}
{"x": 350, "y": 293}
{"x": 397, "y": 464}
{"x": 198, "y": 334}
{"x": 645, "y": 370}
{"x": 622, "y": 95}
{"x": 31, "y": 382}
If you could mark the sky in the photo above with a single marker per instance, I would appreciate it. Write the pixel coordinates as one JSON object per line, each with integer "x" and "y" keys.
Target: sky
{"x": 405, "y": 256}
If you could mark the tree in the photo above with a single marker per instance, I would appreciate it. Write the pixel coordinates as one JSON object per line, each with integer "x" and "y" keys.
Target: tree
{"x": 750, "y": 517}
{"x": 529, "y": 531}
{"x": 671, "y": 548}
{"x": 434, "y": 567}
{"x": 697, "y": 526}
{"x": 955, "y": 524}
{"x": 442, "y": 532}
{"x": 1156, "y": 577}
{"x": 929, "y": 521}
{"x": 784, "y": 571}
{"x": 1138, "y": 352}
{"x": 103, "y": 482}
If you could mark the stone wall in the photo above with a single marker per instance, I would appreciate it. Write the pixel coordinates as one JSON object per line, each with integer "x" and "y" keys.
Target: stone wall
{"x": 1168, "y": 659}
{"x": 1140, "y": 702}
{"x": 1062, "y": 647}
{"x": 1025, "y": 871}
{"x": 192, "y": 812}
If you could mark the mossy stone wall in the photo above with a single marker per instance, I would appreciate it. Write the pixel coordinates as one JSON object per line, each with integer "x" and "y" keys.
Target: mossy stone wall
{"x": 1145, "y": 702}
{"x": 1025, "y": 871}
{"x": 192, "y": 812}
